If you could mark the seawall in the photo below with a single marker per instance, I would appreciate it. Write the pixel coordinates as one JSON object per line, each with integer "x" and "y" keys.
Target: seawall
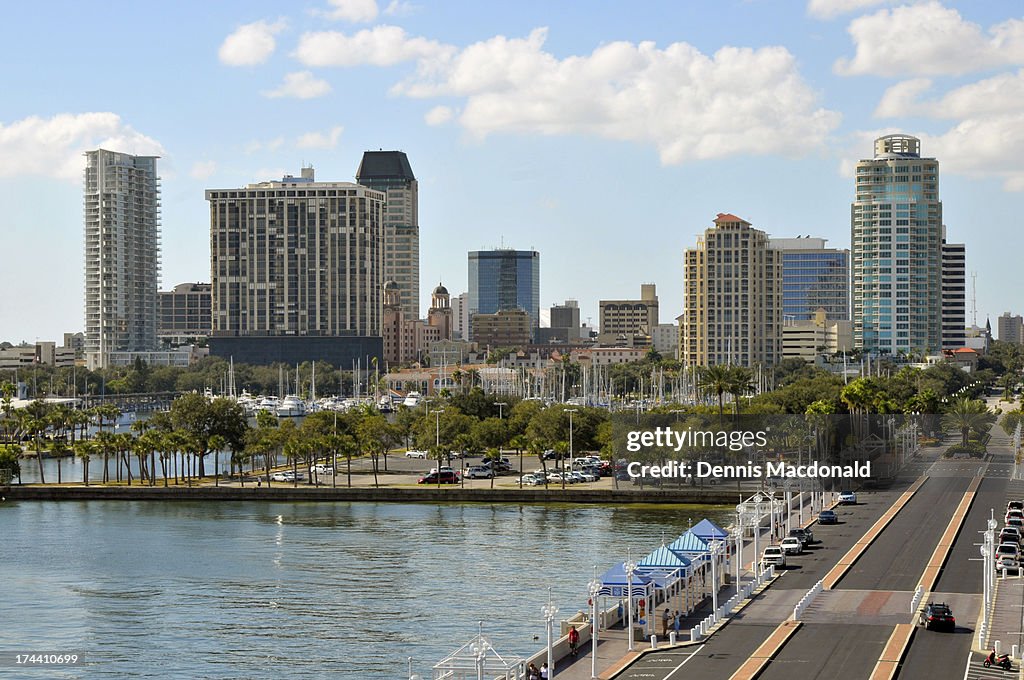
{"x": 383, "y": 494}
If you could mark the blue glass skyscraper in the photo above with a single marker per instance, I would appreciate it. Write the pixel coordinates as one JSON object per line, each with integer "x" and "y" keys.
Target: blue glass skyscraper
{"x": 813, "y": 277}
{"x": 505, "y": 279}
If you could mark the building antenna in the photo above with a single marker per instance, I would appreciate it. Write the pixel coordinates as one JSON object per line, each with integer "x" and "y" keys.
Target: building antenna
{"x": 974, "y": 299}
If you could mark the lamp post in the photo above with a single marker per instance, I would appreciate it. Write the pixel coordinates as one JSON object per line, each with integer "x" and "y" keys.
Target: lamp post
{"x": 595, "y": 588}
{"x": 549, "y": 610}
{"x": 716, "y": 549}
{"x": 570, "y": 411}
{"x": 500, "y": 405}
{"x": 630, "y": 567}
{"x": 437, "y": 441}
{"x": 757, "y": 530}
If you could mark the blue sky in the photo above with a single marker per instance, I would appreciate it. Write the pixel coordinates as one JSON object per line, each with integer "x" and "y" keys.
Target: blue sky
{"x": 607, "y": 135}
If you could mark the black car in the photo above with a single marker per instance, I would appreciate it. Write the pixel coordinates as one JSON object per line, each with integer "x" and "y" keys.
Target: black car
{"x": 937, "y": 615}
{"x": 806, "y": 536}
{"x": 446, "y": 478}
{"x": 828, "y": 517}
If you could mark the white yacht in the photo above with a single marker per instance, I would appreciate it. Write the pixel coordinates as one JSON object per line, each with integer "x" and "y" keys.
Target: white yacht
{"x": 268, "y": 404}
{"x": 291, "y": 407}
{"x": 412, "y": 400}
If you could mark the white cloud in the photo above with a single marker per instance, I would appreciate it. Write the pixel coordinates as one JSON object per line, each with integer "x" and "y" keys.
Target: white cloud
{"x": 829, "y": 9}
{"x": 439, "y": 115}
{"x": 379, "y": 46}
{"x": 301, "y": 85}
{"x": 320, "y": 140}
{"x": 686, "y": 104}
{"x": 929, "y": 39}
{"x": 351, "y": 10}
{"x": 250, "y": 44}
{"x": 203, "y": 169}
{"x": 399, "y": 8}
{"x": 256, "y": 145}
{"x": 997, "y": 95}
{"x": 53, "y": 146}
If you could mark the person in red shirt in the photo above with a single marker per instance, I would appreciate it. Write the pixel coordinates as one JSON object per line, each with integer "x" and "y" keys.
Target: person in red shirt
{"x": 574, "y": 640}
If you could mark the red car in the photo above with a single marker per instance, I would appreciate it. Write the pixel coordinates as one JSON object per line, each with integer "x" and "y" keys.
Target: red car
{"x": 446, "y": 478}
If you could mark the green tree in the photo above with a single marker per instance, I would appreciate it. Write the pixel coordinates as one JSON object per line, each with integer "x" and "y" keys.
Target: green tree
{"x": 716, "y": 380}
{"x": 965, "y": 415}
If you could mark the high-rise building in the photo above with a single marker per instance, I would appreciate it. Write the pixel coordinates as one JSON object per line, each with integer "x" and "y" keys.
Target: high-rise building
{"x": 297, "y": 271}
{"x": 390, "y": 172}
{"x": 460, "y": 317}
{"x": 1011, "y": 328}
{"x": 408, "y": 340}
{"x": 185, "y": 315}
{"x": 954, "y": 295}
{"x": 504, "y": 279}
{"x": 122, "y": 254}
{"x": 629, "y": 323}
{"x": 813, "y": 277}
{"x": 732, "y": 297}
{"x": 896, "y": 229}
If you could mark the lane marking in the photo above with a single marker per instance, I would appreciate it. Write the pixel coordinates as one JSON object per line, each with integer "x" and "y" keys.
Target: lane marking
{"x": 888, "y": 663}
{"x": 853, "y": 554}
{"x": 684, "y": 662}
{"x": 942, "y": 550}
{"x": 759, "y": 660}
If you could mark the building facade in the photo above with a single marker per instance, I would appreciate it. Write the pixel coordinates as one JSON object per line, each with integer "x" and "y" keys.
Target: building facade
{"x": 460, "y": 317}
{"x": 807, "y": 339}
{"x": 508, "y": 328}
{"x": 732, "y": 298}
{"x": 409, "y": 340}
{"x": 505, "y": 279}
{"x": 185, "y": 314}
{"x": 629, "y": 323}
{"x": 297, "y": 271}
{"x": 122, "y": 254}
{"x": 954, "y": 295}
{"x": 1010, "y": 328}
{"x": 390, "y": 173}
{"x": 814, "y": 277}
{"x": 665, "y": 340}
{"x": 897, "y": 250}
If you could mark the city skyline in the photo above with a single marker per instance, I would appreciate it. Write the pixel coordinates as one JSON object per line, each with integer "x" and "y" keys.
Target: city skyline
{"x": 570, "y": 176}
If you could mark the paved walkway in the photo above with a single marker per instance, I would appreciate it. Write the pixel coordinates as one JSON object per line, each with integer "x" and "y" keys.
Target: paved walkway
{"x": 612, "y": 648}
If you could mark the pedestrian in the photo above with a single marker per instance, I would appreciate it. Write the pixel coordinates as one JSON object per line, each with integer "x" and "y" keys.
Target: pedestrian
{"x": 532, "y": 673}
{"x": 665, "y": 616}
{"x": 544, "y": 671}
{"x": 574, "y": 640}
{"x": 621, "y": 618}
{"x": 677, "y": 621}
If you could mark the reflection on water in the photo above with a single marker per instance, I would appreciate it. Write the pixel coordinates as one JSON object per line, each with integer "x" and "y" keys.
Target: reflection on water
{"x": 300, "y": 590}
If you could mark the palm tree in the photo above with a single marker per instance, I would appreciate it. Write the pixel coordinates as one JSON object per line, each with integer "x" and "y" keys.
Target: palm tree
{"x": 741, "y": 383}
{"x": 217, "y": 443}
{"x": 83, "y": 451}
{"x": 716, "y": 379}
{"x": 968, "y": 414}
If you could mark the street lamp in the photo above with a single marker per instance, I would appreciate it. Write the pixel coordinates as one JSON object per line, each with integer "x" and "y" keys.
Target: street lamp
{"x": 757, "y": 530}
{"x": 715, "y": 548}
{"x": 500, "y": 404}
{"x": 595, "y": 589}
{"x": 630, "y": 567}
{"x": 570, "y": 411}
{"x": 437, "y": 441}
{"x": 549, "y": 610}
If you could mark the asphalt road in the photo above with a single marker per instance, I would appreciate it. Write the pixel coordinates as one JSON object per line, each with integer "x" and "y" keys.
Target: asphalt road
{"x": 933, "y": 653}
{"x": 727, "y": 649}
{"x": 827, "y": 650}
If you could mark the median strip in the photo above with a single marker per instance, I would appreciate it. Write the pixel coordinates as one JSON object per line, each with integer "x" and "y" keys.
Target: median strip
{"x": 894, "y": 650}
{"x": 757, "y": 662}
{"x": 853, "y": 554}
{"x": 938, "y": 558}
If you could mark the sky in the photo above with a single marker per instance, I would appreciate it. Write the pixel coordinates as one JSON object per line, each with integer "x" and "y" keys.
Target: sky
{"x": 606, "y": 135}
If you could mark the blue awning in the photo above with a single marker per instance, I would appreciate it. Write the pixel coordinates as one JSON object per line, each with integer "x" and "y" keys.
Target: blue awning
{"x": 709, "y": 531}
{"x": 664, "y": 559}
{"x": 690, "y": 546}
{"x": 615, "y": 584}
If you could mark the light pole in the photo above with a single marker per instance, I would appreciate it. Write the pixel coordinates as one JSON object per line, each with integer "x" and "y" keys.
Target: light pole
{"x": 437, "y": 441}
{"x": 549, "y": 610}
{"x": 630, "y": 567}
{"x": 570, "y": 411}
{"x": 500, "y": 405}
{"x": 595, "y": 589}
{"x": 716, "y": 550}
{"x": 757, "y": 530}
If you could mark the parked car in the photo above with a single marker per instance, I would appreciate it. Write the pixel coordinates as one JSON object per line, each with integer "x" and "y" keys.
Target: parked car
{"x": 576, "y": 477}
{"x": 805, "y": 536}
{"x": 828, "y": 517}
{"x": 1015, "y": 505}
{"x": 1015, "y": 522}
{"x": 479, "y": 472}
{"x": 551, "y": 455}
{"x": 792, "y": 546}
{"x": 531, "y": 480}
{"x": 415, "y": 454}
{"x": 556, "y": 478}
{"x": 937, "y": 615}
{"x": 588, "y": 475}
{"x": 449, "y": 477}
{"x": 1007, "y": 563}
{"x": 1010, "y": 514}
{"x": 847, "y": 498}
{"x": 444, "y": 468}
{"x": 320, "y": 469}
{"x": 286, "y": 476}
{"x": 773, "y": 555}
{"x": 1009, "y": 534}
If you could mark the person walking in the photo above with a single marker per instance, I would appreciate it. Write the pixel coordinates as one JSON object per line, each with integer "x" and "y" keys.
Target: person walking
{"x": 678, "y": 621}
{"x": 574, "y": 640}
{"x": 532, "y": 673}
{"x": 665, "y": 616}
{"x": 544, "y": 671}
